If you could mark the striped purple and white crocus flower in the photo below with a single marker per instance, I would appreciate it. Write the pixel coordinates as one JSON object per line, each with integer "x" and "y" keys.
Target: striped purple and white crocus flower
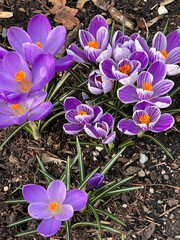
{"x": 53, "y": 205}
{"x": 146, "y": 117}
{"x": 95, "y": 42}
{"x": 151, "y": 86}
{"x": 78, "y": 114}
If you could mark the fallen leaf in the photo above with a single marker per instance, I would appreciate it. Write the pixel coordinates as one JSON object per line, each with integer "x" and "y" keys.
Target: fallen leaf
{"x": 64, "y": 14}
{"x": 46, "y": 159}
{"x": 80, "y": 3}
{"x": 131, "y": 170}
{"x": 147, "y": 233}
{"x": 104, "y": 4}
{"x": 154, "y": 20}
{"x": 165, "y": 2}
{"x": 6, "y": 14}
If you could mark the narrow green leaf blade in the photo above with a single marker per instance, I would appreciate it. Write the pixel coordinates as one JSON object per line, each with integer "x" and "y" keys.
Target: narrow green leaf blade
{"x": 47, "y": 175}
{"x": 68, "y": 174}
{"x": 16, "y": 200}
{"x": 20, "y": 221}
{"x": 81, "y": 185}
{"x": 63, "y": 176}
{"x": 111, "y": 32}
{"x": 122, "y": 190}
{"x": 111, "y": 216}
{"x": 80, "y": 161}
{"x": 26, "y": 233}
{"x": 126, "y": 143}
{"x": 96, "y": 217}
{"x": 67, "y": 228}
{"x": 48, "y": 180}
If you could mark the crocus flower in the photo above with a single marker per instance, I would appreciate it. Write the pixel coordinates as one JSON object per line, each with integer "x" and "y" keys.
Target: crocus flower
{"x": 53, "y": 205}
{"x": 2, "y": 52}
{"x": 94, "y": 42}
{"x": 146, "y": 117}
{"x": 151, "y": 86}
{"x": 32, "y": 109}
{"x": 101, "y": 129}
{"x": 17, "y": 80}
{"x": 98, "y": 83}
{"x": 78, "y": 114}
{"x": 39, "y": 33}
{"x": 126, "y": 67}
{"x": 96, "y": 181}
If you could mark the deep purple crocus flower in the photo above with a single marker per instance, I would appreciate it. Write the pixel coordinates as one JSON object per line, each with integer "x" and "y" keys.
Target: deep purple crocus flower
{"x": 95, "y": 42}
{"x": 17, "y": 80}
{"x": 39, "y": 33}
{"x": 53, "y": 205}
{"x": 96, "y": 181}
{"x": 32, "y": 109}
{"x": 151, "y": 86}
{"x": 98, "y": 83}
{"x": 78, "y": 114}
{"x": 101, "y": 129}
{"x": 146, "y": 117}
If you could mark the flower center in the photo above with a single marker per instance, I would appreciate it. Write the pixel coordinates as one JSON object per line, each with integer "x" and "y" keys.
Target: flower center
{"x": 93, "y": 44}
{"x": 24, "y": 84}
{"x": 55, "y": 207}
{"x": 39, "y": 44}
{"x": 81, "y": 113}
{"x": 125, "y": 69}
{"x": 164, "y": 53}
{"x": 147, "y": 86}
{"x": 99, "y": 79}
{"x": 144, "y": 119}
{"x": 17, "y": 109}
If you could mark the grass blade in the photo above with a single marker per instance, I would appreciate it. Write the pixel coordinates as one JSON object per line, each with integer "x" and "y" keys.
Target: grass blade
{"x": 47, "y": 175}
{"x": 48, "y": 180}
{"x": 165, "y": 28}
{"x": 123, "y": 114}
{"x": 63, "y": 176}
{"x": 67, "y": 228}
{"x": 126, "y": 144}
{"x": 17, "y": 200}
{"x": 123, "y": 25}
{"x": 111, "y": 216}
{"x": 174, "y": 92}
{"x": 26, "y": 233}
{"x": 171, "y": 111}
{"x": 68, "y": 174}
{"x": 122, "y": 190}
{"x": 76, "y": 75}
{"x": 80, "y": 161}
{"x": 88, "y": 144}
{"x": 96, "y": 217}
{"x": 21, "y": 221}
{"x": 112, "y": 32}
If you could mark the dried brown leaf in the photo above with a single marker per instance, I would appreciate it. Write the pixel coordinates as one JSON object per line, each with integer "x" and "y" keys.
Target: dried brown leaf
{"x": 165, "y": 2}
{"x": 104, "y": 4}
{"x": 6, "y": 14}
{"x": 154, "y": 20}
{"x": 147, "y": 233}
{"x": 80, "y": 3}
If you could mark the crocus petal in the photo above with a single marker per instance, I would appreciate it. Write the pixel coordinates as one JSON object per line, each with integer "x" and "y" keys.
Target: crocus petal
{"x": 142, "y": 57}
{"x": 91, "y": 131}
{"x": 144, "y": 77}
{"x": 95, "y": 90}
{"x": 72, "y": 128}
{"x": 106, "y": 68}
{"x": 173, "y": 40}
{"x": 56, "y": 191}
{"x": 5, "y": 121}
{"x": 48, "y": 227}
{"x": 162, "y": 87}
{"x": 154, "y": 113}
{"x": 2, "y": 52}
{"x": 78, "y": 54}
{"x": 20, "y": 119}
{"x": 14, "y": 98}
{"x": 102, "y": 37}
{"x": 165, "y": 122}
{"x": 76, "y": 198}
{"x": 155, "y": 55}
{"x": 162, "y": 102}
{"x": 96, "y": 23}
{"x": 141, "y": 45}
{"x": 107, "y": 85}
{"x": 5, "y": 108}
{"x": 137, "y": 114}
{"x": 66, "y": 214}
{"x": 39, "y": 29}
{"x": 53, "y": 46}
{"x": 31, "y": 51}
{"x": 110, "y": 138}
{"x": 35, "y": 193}
{"x": 158, "y": 71}
{"x": 16, "y": 37}
{"x": 71, "y": 103}
{"x": 121, "y": 53}
{"x": 174, "y": 56}
{"x": 39, "y": 210}
{"x": 40, "y": 112}
{"x": 118, "y": 34}
{"x": 98, "y": 112}
{"x": 144, "y": 94}
{"x": 85, "y": 37}
{"x": 127, "y": 94}
{"x": 105, "y": 54}
{"x": 34, "y": 99}
{"x": 130, "y": 80}
{"x": 108, "y": 119}
{"x": 63, "y": 63}
{"x": 159, "y": 41}
{"x": 142, "y": 105}
{"x": 92, "y": 53}
{"x": 70, "y": 116}
{"x": 128, "y": 127}
{"x": 172, "y": 69}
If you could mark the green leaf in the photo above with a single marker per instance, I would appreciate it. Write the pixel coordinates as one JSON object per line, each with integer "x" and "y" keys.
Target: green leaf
{"x": 62, "y": 178}
{"x": 80, "y": 161}
{"x": 96, "y": 217}
{"x": 111, "y": 32}
{"x": 68, "y": 174}
{"x": 111, "y": 216}
{"x": 76, "y": 75}
{"x": 25, "y": 233}
{"x": 47, "y": 175}
{"x": 126, "y": 143}
{"x": 171, "y": 111}
{"x": 123, "y": 25}
{"x": 174, "y": 92}
{"x": 90, "y": 224}
{"x": 44, "y": 172}
{"x": 67, "y": 228}
{"x": 81, "y": 185}
{"x": 159, "y": 143}
{"x": 122, "y": 190}
{"x": 165, "y": 28}
{"x": 114, "y": 108}
{"x": 88, "y": 144}
{"x": 16, "y": 200}
{"x": 28, "y": 129}
{"x": 20, "y": 221}
{"x": 12, "y": 134}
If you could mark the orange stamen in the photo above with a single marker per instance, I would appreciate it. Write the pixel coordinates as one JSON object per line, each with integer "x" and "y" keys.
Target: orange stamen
{"x": 147, "y": 86}
{"x": 24, "y": 84}
{"x": 99, "y": 79}
{"x": 81, "y": 113}
{"x": 39, "y": 44}
{"x": 93, "y": 44}
{"x": 164, "y": 53}
{"x": 54, "y": 206}
{"x": 125, "y": 69}
{"x": 16, "y": 107}
{"x": 144, "y": 119}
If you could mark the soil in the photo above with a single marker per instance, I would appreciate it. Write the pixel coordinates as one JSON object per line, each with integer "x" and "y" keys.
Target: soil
{"x": 157, "y": 202}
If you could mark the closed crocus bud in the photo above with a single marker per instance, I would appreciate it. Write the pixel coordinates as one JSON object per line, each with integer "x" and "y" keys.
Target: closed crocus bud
{"x": 96, "y": 181}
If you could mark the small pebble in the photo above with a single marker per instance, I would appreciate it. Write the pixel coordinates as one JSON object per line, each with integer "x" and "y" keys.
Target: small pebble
{"x": 166, "y": 177}
{"x": 160, "y": 201}
{"x": 94, "y": 158}
{"x": 6, "y": 188}
{"x": 141, "y": 173}
{"x": 95, "y": 153}
{"x": 171, "y": 216}
{"x": 162, "y": 10}
{"x": 124, "y": 205}
{"x": 163, "y": 172}
{"x": 151, "y": 190}
{"x": 143, "y": 158}
{"x": 99, "y": 149}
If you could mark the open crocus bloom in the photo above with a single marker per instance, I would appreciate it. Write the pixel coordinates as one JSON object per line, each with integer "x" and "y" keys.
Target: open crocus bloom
{"x": 17, "y": 80}
{"x": 94, "y": 42}
{"x": 32, "y": 109}
{"x": 146, "y": 117}
{"x": 101, "y": 129}
{"x": 79, "y": 114}
{"x": 151, "y": 85}
{"x": 53, "y": 205}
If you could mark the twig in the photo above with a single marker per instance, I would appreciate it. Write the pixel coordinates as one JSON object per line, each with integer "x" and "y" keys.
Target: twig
{"x": 170, "y": 210}
{"x": 150, "y": 185}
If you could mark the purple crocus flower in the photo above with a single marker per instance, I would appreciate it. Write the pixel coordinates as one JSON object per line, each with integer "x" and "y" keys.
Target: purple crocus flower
{"x": 78, "y": 114}
{"x": 98, "y": 83}
{"x": 126, "y": 67}
{"x": 32, "y": 109}
{"x": 151, "y": 85}
{"x": 96, "y": 181}
{"x": 39, "y": 33}
{"x": 94, "y": 42}
{"x": 53, "y": 205}
{"x": 101, "y": 129}
{"x": 146, "y": 117}
{"x": 17, "y": 80}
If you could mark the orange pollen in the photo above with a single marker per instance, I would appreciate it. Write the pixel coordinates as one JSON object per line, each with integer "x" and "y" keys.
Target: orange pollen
{"x": 144, "y": 119}
{"x": 24, "y": 84}
{"x": 99, "y": 79}
{"x": 147, "y": 86}
{"x": 93, "y": 44}
{"x": 164, "y": 53}
{"x": 39, "y": 44}
{"x": 54, "y": 206}
{"x": 17, "y": 109}
{"x": 81, "y": 113}
{"x": 125, "y": 69}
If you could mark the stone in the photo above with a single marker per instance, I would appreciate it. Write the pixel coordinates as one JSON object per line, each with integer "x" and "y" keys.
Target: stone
{"x": 143, "y": 158}
{"x": 141, "y": 173}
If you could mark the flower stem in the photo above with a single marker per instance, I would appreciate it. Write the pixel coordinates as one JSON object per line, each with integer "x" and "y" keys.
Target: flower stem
{"x": 36, "y": 134}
